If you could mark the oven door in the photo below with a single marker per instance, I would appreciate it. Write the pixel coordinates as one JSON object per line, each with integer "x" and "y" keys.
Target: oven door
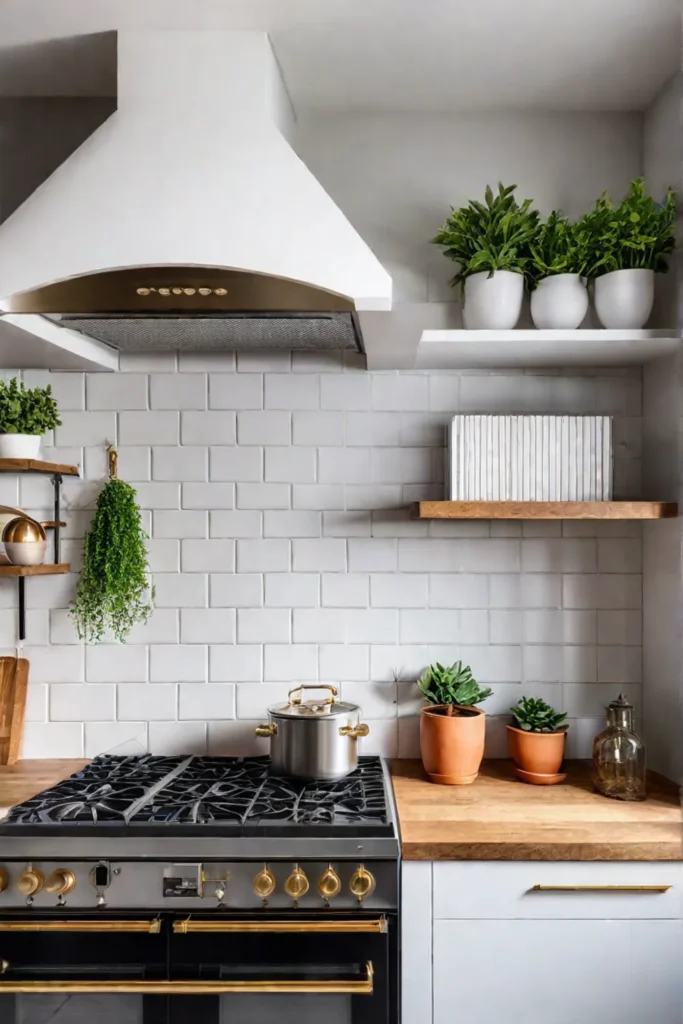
{"x": 287, "y": 967}
{"x": 81, "y": 969}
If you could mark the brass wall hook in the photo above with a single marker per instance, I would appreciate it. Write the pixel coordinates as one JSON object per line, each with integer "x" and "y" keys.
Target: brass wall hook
{"x": 113, "y": 462}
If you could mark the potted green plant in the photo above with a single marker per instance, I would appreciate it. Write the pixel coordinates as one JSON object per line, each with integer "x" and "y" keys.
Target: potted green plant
{"x": 556, "y": 274}
{"x": 452, "y": 729}
{"x": 113, "y": 593}
{"x": 25, "y": 415}
{"x": 629, "y": 245}
{"x": 536, "y": 741}
{"x": 490, "y": 241}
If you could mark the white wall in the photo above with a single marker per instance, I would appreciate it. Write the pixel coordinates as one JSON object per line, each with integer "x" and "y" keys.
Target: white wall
{"x": 395, "y": 176}
{"x": 663, "y": 475}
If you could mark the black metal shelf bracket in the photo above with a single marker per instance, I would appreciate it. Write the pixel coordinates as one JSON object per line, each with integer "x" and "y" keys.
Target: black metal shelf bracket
{"x": 57, "y": 483}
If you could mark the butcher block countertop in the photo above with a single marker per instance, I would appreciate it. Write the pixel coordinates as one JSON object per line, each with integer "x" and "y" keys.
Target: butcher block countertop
{"x": 500, "y": 818}
{"x": 496, "y": 818}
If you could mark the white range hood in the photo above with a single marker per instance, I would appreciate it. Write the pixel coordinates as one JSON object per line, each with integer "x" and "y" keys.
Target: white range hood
{"x": 190, "y": 182}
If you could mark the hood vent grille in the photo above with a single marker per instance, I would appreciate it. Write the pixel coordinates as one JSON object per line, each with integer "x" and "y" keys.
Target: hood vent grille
{"x": 221, "y": 332}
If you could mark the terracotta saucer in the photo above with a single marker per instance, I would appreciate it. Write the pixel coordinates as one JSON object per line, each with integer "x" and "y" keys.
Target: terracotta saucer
{"x": 536, "y": 779}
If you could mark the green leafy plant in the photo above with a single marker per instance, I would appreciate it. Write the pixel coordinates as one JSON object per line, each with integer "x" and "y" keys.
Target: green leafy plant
{"x": 453, "y": 687}
{"x": 27, "y": 410}
{"x": 489, "y": 236}
{"x": 113, "y": 592}
{"x": 533, "y": 715}
{"x": 636, "y": 234}
{"x": 559, "y": 247}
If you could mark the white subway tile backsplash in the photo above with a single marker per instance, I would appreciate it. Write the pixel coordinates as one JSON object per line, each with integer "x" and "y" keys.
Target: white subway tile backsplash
{"x": 207, "y": 428}
{"x": 278, "y": 490}
{"x": 207, "y": 625}
{"x": 177, "y": 391}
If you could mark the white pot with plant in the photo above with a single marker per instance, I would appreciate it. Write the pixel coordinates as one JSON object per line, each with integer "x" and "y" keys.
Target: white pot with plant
{"x": 556, "y": 275}
{"x": 631, "y": 243}
{"x": 491, "y": 242}
{"x": 25, "y": 415}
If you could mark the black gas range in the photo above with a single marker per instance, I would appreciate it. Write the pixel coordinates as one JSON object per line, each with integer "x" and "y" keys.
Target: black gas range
{"x": 166, "y": 888}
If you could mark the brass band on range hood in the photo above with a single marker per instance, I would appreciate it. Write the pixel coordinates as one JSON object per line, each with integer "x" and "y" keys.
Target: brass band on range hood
{"x": 362, "y": 987}
{"x": 176, "y": 290}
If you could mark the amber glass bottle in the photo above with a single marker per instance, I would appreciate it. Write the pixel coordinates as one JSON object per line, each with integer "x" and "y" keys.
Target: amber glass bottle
{"x": 619, "y": 755}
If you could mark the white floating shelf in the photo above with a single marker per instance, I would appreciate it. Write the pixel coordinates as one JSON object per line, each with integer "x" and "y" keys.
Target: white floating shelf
{"x": 469, "y": 350}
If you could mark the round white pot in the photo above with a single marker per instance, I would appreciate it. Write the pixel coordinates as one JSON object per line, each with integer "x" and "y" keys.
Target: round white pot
{"x": 19, "y": 446}
{"x": 624, "y": 298}
{"x": 493, "y": 303}
{"x": 559, "y": 301}
{"x": 26, "y": 552}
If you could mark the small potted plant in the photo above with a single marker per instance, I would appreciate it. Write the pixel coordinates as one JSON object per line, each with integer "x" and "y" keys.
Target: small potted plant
{"x": 556, "y": 275}
{"x": 452, "y": 729}
{"x": 536, "y": 741}
{"x": 490, "y": 241}
{"x": 25, "y": 415}
{"x": 630, "y": 244}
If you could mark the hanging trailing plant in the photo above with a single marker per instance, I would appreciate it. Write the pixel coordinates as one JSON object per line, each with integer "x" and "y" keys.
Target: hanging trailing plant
{"x": 113, "y": 592}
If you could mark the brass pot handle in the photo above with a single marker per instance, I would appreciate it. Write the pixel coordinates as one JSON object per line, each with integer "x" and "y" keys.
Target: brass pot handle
{"x": 354, "y": 731}
{"x": 601, "y": 888}
{"x": 312, "y": 686}
{"x": 266, "y": 730}
{"x": 188, "y": 927}
{"x": 362, "y": 987}
{"x": 146, "y": 927}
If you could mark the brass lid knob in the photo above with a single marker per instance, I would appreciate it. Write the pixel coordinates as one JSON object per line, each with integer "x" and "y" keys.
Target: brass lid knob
{"x": 264, "y": 883}
{"x": 329, "y": 883}
{"x": 30, "y": 882}
{"x": 60, "y": 882}
{"x": 362, "y": 883}
{"x": 4, "y": 879}
{"x": 296, "y": 885}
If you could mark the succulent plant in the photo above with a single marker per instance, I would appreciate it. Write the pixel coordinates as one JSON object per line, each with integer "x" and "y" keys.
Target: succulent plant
{"x": 452, "y": 685}
{"x": 534, "y": 715}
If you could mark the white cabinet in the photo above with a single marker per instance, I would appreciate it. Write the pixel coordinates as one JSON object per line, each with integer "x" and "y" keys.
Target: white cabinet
{"x": 481, "y": 946}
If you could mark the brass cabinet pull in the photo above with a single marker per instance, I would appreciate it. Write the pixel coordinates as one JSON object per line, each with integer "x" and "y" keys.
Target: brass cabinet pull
{"x": 376, "y": 926}
{"x": 362, "y": 987}
{"x": 147, "y": 927}
{"x": 601, "y": 888}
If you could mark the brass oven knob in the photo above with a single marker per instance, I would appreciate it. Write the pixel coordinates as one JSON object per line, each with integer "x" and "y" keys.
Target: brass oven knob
{"x": 329, "y": 883}
{"x": 60, "y": 882}
{"x": 30, "y": 882}
{"x": 4, "y": 879}
{"x": 296, "y": 885}
{"x": 362, "y": 883}
{"x": 264, "y": 883}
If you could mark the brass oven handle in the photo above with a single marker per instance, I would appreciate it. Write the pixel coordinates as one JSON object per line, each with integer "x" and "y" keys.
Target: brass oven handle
{"x": 147, "y": 927}
{"x": 313, "y": 686}
{"x": 375, "y": 926}
{"x": 363, "y": 987}
{"x": 601, "y": 888}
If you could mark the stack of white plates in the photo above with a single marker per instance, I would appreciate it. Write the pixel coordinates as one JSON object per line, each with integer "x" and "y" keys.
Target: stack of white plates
{"x": 529, "y": 458}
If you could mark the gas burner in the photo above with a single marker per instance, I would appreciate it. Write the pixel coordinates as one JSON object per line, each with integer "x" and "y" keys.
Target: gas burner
{"x": 224, "y": 795}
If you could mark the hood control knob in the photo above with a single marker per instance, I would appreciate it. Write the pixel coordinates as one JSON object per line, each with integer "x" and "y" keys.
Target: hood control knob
{"x": 264, "y": 883}
{"x": 362, "y": 883}
{"x": 329, "y": 883}
{"x": 30, "y": 882}
{"x": 60, "y": 882}
{"x": 296, "y": 885}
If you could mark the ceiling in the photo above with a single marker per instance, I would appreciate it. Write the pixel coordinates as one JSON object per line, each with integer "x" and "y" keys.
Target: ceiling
{"x": 377, "y": 55}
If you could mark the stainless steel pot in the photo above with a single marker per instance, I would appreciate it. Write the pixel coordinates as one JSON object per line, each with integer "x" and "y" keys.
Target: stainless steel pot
{"x": 314, "y": 739}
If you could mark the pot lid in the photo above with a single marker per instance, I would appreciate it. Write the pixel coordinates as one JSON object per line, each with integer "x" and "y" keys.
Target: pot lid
{"x": 322, "y": 707}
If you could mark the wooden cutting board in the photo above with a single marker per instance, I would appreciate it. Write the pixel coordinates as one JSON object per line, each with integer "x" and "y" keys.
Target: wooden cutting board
{"x": 13, "y": 686}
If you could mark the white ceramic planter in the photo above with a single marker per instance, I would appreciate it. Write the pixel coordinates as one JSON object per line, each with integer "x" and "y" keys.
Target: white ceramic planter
{"x": 26, "y": 552}
{"x": 493, "y": 303}
{"x": 624, "y": 298}
{"x": 19, "y": 446}
{"x": 559, "y": 302}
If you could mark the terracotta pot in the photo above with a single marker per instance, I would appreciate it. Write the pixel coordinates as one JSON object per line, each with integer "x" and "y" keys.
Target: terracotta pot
{"x": 452, "y": 746}
{"x": 539, "y": 753}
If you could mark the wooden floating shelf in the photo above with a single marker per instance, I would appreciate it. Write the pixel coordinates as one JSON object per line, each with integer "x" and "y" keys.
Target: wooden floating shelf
{"x": 520, "y": 348}
{"x": 35, "y": 570}
{"x": 36, "y": 466}
{"x": 544, "y": 510}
